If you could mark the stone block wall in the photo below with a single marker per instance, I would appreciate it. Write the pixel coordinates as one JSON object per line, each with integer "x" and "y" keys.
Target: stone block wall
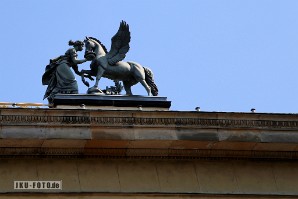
{"x": 187, "y": 178}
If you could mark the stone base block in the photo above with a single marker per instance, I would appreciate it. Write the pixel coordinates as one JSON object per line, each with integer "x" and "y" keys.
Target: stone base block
{"x": 90, "y": 101}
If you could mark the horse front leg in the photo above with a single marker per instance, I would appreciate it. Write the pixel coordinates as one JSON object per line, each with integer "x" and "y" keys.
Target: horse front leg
{"x": 83, "y": 72}
{"x": 95, "y": 88}
{"x": 99, "y": 75}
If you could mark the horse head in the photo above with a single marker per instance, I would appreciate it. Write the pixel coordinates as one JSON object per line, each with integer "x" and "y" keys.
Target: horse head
{"x": 89, "y": 49}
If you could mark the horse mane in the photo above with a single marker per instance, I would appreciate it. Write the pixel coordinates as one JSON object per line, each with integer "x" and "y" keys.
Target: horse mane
{"x": 103, "y": 46}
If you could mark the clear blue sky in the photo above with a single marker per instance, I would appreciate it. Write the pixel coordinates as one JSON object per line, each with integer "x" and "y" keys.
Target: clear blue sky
{"x": 221, "y": 55}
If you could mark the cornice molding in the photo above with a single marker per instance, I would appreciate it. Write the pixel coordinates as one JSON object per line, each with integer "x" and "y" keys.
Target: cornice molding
{"x": 136, "y": 153}
{"x": 18, "y": 120}
{"x": 147, "y": 134}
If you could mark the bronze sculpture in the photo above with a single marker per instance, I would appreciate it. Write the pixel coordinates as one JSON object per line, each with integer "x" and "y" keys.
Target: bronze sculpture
{"x": 60, "y": 79}
{"x": 58, "y": 75}
{"x": 110, "y": 64}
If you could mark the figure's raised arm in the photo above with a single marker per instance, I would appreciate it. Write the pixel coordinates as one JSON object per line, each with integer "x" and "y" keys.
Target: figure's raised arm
{"x": 78, "y": 46}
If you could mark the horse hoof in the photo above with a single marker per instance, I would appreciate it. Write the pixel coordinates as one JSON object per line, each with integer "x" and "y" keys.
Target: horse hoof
{"x": 94, "y": 90}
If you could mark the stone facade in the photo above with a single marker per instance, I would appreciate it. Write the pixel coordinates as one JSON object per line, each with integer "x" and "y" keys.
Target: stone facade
{"x": 148, "y": 154}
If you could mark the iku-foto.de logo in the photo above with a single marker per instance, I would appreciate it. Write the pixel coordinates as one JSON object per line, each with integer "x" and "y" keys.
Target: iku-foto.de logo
{"x": 38, "y": 185}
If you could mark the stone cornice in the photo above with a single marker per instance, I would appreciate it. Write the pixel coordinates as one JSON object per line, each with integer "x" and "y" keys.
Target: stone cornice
{"x": 171, "y": 119}
{"x": 147, "y": 134}
{"x": 104, "y": 153}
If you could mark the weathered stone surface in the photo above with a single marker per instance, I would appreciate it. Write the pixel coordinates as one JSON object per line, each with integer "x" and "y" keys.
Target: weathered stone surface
{"x": 25, "y": 132}
{"x": 42, "y": 130}
{"x": 198, "y": 134}
{"x": 13, "y": 170}
{"x": 139, "y": 196}
{"x": 154, "y": 134}
{"x": 57, "y": 170}
{"x": 45, "y": 133}
{"x": 279, "y": 136}
{"x": 98, "y": 176}
{"x": 141, "y": 175}
{"x": 286, "y": 177}
{"x": 177, "y": 177}
{"x": 60, "y": 143}
{"x": 20, "y": 143}
{"x": 149, "y": 154}
{"x": 255, "y": 178}
{"x": 216, "y": 177}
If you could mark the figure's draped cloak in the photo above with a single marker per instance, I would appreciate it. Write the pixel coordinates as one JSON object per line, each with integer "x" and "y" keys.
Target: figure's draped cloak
{"x": 60, "y": 77}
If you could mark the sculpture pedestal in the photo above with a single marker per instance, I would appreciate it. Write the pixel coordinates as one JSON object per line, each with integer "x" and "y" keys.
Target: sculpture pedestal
{"x": 116, "y": 102}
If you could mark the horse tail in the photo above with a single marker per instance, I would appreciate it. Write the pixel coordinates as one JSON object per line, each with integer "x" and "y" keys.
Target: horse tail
{"x": 150, "y": 81}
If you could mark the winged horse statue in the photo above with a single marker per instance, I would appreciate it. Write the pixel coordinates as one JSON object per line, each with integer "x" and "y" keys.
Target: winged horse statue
{"x": 110, "y": 65}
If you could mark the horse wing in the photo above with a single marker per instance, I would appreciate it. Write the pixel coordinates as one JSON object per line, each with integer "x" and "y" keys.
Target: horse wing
{"x": 120, "y": 44}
